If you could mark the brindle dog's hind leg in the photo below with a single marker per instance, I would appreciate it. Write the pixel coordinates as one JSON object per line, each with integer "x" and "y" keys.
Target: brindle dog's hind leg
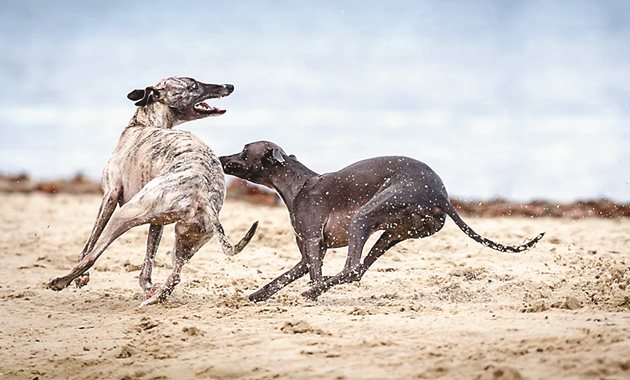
{"x": 153, "y": 241}
{"x": 189, "y": 238}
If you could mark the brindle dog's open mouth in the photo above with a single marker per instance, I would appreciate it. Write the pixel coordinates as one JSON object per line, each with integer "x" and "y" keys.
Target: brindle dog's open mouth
{"x": 202, "y": 108}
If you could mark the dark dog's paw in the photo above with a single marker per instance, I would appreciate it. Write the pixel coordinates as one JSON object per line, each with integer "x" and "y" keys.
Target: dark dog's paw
{"x": 82, "y": 280}
{"x": 315, "y": 283}
{"x": 258, "y": 297}
{"x": 310, "y": 294}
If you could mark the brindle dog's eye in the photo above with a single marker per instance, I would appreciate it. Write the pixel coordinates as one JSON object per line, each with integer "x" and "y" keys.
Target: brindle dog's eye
{"x": 193, "y": 86}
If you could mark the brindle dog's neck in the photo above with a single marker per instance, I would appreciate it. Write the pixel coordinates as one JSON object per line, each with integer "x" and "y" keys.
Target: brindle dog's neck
{"x": 290, "y": 179}
{"x": 153, "y": 115}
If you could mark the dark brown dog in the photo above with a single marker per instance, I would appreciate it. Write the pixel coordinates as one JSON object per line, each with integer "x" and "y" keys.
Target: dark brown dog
{"x": 399, "y": 195}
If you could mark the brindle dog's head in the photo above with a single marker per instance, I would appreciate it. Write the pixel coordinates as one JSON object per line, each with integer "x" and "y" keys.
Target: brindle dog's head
{"x": 184, "y": 97}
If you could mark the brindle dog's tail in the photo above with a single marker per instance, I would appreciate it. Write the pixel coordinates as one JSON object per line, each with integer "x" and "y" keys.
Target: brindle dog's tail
{"x": 228, "y": 248}
{"x": 450, "y": 211}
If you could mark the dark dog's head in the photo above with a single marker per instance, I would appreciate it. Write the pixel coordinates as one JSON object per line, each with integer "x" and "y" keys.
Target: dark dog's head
{"x": 183, "y": 96}
{"x": 256, "y": 162}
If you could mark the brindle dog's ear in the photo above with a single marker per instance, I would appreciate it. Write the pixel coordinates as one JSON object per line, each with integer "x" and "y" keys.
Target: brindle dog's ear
{"x": 136, "y": 94}
{"x": 144, "y": 96}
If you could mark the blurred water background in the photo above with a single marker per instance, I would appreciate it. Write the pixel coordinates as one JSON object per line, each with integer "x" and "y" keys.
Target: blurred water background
{"x": 514, "y": 99}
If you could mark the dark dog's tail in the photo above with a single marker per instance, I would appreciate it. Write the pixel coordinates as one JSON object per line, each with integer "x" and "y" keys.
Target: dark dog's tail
{"x": 450, "y": 211}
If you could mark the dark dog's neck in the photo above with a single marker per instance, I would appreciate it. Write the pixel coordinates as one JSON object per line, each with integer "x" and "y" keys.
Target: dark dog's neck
{"x": 289, "y": 179}
{"x": 154, "y": 115}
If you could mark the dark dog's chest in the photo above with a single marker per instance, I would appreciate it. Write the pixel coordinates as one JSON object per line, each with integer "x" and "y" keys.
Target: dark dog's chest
{"x": 335, "y": 229}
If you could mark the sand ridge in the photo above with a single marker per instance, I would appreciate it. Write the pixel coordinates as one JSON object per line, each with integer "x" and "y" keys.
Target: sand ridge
{"x": 441, "y": 307}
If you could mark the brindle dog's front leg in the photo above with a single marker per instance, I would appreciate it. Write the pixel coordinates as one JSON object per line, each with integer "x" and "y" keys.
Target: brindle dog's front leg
{"x": 308, "y": 249}
{"x": 108, "y": 205}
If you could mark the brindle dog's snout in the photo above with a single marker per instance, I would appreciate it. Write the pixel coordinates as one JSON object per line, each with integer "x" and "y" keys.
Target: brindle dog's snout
{"x": 218, "y": 90}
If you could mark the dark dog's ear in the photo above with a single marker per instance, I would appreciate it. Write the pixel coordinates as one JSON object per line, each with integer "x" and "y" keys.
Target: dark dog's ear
{"x": 144, "y": 96}
{"x": 277, "y": 155}
{"x": 274, "y": 156}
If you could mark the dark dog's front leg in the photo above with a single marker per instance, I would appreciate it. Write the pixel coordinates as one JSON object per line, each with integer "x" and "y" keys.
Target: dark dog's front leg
{"x": 359, "y": 232}
{"x": 320, "y": 287}
{"x": 280, "y": 282}
{"x": 385, "y": 242}
{"x": 313, "y": 250}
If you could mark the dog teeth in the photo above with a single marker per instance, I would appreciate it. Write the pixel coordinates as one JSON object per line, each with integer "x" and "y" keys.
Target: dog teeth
{"x": 202, "y": 105}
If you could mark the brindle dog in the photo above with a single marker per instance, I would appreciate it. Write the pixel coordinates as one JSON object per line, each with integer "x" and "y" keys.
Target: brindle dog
{"x": 160, "y": 176}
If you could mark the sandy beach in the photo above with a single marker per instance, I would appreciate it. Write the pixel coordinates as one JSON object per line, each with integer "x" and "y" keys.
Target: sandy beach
{"x": 441, "y": 307}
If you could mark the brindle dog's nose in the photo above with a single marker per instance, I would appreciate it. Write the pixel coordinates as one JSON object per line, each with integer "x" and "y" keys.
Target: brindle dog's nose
{"x": 229, "y": 87}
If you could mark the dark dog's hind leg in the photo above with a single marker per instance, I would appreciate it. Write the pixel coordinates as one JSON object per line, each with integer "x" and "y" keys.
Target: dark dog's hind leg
{"x": 384, "y": 243}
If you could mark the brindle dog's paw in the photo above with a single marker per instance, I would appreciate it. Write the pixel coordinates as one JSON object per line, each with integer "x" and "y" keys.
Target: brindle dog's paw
{"x": 56, "y": 284}
{"x": 154, "y": 295}
{"x": 82, "y": 280}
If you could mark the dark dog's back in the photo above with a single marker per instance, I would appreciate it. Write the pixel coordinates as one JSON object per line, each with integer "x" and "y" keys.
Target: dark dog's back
{"x": 354, "y": 185}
